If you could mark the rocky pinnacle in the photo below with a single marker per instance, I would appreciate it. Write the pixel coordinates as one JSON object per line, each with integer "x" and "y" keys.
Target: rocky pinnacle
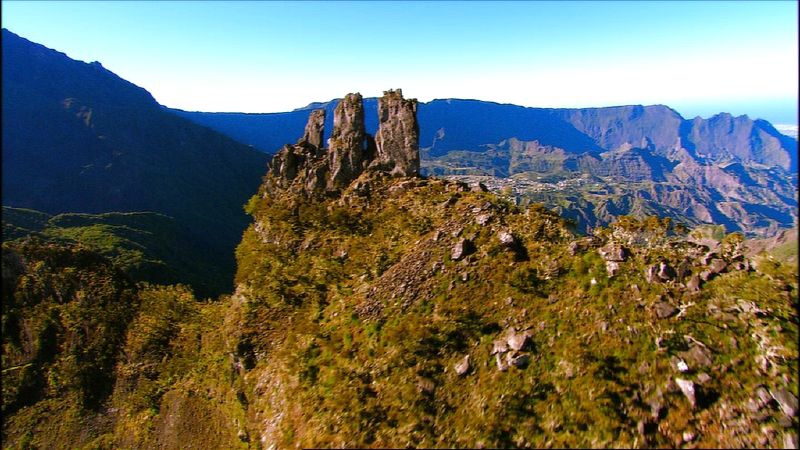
{"x": 314, "y": 128}
{"x": 347, "y": 143}
{"x": 397, "y": 139}
{"x": 309, "y": 167}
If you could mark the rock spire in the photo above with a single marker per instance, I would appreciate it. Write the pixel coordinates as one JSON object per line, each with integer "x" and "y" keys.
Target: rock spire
{"x": 397, "y": 139}
{"x": 311, "y": 168}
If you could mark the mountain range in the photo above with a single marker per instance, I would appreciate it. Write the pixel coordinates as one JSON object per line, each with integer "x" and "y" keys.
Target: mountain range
{"x": 79, "y": 139}
{"x": 633, "y": 160}
{"x": 376, "y": 307}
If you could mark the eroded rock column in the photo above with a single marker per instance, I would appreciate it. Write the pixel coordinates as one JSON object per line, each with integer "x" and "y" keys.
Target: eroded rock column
{"x": 397, "y": 139}
{"x": 314, "y": 128}
{"x": 346, "y": 152}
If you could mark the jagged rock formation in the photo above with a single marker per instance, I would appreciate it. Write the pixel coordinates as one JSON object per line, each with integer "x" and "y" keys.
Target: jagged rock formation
{"x": 734, "y": 171}
{"x": 398, "y": 134}
{"x": 348, "y": 143}
{"x": 309, "y": 167}
{"x": 314, "y": 128}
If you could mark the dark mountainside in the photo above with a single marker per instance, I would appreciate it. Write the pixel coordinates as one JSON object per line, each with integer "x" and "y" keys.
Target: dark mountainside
{"x": 146, "y": 246}
{"x": 635, "y": 160}
{"x": 78, "y": 138}
{"x": 377, "y": 308}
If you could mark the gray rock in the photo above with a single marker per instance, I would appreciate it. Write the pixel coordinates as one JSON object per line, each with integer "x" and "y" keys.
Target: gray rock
{"x": 612, "y": 268}
{"x": 499, "y": 346}
{"x": 656, "y": 408}
{"x": 742, "y": 266}
{"x": 678, "y": 364}
{"x": 697, "y": 357}
{"x": 693, "y": 285}
{"x": 665, "y": 272}
{"x": 519, "y": 360}
{"x": 650, "y": 274}
{"x": 790, "y": 440}
{"x": 462, "y": 248}
{"x": 641, "y": 427}
{"x": 483, "y": 219}
{"x": 786, "y": 400}
{"x": 763, "y": 396}
{"x": 397, "y": 139}
{"x": 613, "y": 252}
{"x": 572, "y": 248}
{"x": 785, "y": 421}
{"x": 507, "y": 239}
{"x": 314, "y": 128}
{"x": 717, "y": 266}
{"x": 347, "y": 152}
{"x": 687, "y": 387}
{"x": 703, "y": 378}
{"x": 664, "y": 310}
{"x": 753, "y": 406}
{"x": 517, "y": 341}
{"x": 462, "y": 367}
{"x": 501, "y": 365}
{"x": 479, "y": 187}
{"x": 707, "y": 258}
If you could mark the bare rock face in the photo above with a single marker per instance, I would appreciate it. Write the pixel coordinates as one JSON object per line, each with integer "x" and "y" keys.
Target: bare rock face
{"x": 314, "y": 128}
{"x": 613, "y": 252}
{"x": 300, "y": 166}
{"x": 462, "y": 366}
{"x": 311, "y": 168}
{"x": 397, "y": 140}
{"x": 347, "y": 143}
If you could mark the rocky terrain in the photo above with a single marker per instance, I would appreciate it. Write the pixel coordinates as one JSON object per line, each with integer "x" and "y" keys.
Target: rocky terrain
{"x": 316, "y": 170}
{"x": 423, "y": 312}
{"x": 378, "y": 308}
{"x": 375, "y": 306}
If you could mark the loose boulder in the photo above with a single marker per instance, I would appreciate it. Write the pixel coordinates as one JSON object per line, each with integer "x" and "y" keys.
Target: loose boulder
{"x": 462, "y": 366}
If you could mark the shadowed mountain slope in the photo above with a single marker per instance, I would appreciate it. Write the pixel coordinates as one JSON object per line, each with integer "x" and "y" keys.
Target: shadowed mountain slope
{"x": 78, "y": 138}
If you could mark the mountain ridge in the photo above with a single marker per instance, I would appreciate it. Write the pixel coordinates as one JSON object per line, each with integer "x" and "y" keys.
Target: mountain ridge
{"x": 79, "y": 139}
{"x": 648, "y": 158}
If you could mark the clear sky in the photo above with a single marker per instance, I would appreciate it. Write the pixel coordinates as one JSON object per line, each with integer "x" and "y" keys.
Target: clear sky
{"x": 698, "y": 57}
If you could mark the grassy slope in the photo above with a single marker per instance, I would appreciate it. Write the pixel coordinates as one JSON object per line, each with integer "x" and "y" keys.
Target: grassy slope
{"x": 147, "y": 246}
{"x": 356, "y": 314}
{"x": 351, "y": 315}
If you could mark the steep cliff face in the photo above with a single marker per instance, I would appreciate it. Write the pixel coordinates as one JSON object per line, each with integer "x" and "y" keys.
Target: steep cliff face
{"x": 315, "y": 170}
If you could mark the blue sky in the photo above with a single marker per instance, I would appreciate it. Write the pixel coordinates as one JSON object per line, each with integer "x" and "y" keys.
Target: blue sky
{"x": 698, "y": 57}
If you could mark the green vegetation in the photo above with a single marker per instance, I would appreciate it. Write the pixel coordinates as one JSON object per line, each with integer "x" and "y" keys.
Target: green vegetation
{"x": 357, "y": 313}
{"x": 147, "y": 246}
{"x": 91, "y": 360}
{"x": 352, "y": 314}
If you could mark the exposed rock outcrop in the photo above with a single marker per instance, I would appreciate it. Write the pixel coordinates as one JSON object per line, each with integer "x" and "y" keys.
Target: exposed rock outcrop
{"x": 314, "y": 128}
{"x": 347, "y": 144}
{"x": 397, "y": 139}
{"x": 311, "y": 168}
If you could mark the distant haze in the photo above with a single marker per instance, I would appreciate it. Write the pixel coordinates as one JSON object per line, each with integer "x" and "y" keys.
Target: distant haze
{"x": 697, "y": 57}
